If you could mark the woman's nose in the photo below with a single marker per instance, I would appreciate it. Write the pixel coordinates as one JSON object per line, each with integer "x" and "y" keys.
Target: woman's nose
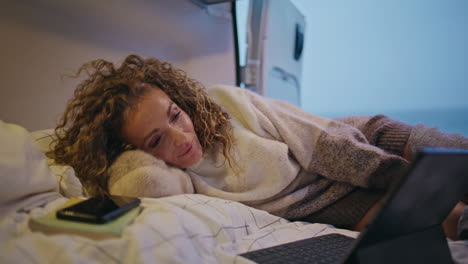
{"x": 178, "y": 137}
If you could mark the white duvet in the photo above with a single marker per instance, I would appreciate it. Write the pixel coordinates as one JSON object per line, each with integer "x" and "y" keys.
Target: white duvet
{"x": 179, "y": 229}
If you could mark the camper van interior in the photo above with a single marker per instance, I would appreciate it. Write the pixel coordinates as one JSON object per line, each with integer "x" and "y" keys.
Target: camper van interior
{"x": 406, "y": 60}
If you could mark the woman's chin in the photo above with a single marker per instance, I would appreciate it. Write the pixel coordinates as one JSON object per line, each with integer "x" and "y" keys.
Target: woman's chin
{"x": 193, "y": 159}
{"x": 196, "y": 159}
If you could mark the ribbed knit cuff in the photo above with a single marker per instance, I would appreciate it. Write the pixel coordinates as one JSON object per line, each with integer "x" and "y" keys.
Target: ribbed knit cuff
{"x": 387, "y": 134}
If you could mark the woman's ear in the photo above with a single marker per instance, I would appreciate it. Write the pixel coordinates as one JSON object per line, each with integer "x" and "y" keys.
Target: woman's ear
{"x": 138, "y": 174}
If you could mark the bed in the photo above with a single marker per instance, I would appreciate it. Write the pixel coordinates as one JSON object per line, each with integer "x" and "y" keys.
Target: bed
{"x": 188, "y": 228}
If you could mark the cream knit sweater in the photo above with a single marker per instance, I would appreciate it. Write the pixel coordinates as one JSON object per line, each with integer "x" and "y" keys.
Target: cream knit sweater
{"x": 289, "y": 162}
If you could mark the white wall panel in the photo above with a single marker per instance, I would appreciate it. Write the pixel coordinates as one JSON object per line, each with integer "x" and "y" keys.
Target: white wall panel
{"x": 44, "y": 40}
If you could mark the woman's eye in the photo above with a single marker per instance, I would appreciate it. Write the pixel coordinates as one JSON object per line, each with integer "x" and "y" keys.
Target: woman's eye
{"x": 176, "y": 116}
{"x": 154, "y": 143}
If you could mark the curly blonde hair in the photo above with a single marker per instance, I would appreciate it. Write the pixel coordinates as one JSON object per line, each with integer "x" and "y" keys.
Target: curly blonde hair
{"x": 88, "y": 133}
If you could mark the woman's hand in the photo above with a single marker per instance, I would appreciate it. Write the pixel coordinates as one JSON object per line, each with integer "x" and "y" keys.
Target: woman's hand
{"x": 450, "y": 225}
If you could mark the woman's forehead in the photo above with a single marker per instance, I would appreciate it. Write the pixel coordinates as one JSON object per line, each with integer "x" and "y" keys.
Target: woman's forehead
{"x": 154, "y": 102}
{"x": 148, "y": 114}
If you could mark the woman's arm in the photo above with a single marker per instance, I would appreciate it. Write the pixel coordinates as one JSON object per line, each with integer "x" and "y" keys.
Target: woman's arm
{"x": 383, "y": 132}
{"x": 418, "y": 137}
{"x": 323, "y": 146}
{"x": 401, "y": 138}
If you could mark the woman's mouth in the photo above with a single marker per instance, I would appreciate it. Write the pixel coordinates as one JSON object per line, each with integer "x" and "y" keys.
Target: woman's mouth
{"x": 186, "y": 150}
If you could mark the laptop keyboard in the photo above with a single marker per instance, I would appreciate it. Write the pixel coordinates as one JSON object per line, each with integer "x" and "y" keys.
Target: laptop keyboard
{"x": 325, "y": 249}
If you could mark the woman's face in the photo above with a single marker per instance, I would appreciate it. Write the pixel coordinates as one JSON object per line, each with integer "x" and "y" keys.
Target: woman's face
{"x": 158, "y": 126}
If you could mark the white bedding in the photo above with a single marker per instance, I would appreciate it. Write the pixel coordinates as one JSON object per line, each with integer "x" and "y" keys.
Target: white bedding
{"x": 179, "y": 229}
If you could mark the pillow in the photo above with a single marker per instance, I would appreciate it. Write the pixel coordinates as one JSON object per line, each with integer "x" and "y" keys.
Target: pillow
{"x": 69, "y": 184}
{"x": 25, "y": 176}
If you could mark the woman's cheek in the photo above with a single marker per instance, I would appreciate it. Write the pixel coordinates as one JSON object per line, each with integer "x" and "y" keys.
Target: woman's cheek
{"x": 188, "y": 122}
{"x": 167, "y": 153}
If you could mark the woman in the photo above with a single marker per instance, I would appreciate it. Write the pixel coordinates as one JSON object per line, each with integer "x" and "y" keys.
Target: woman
{"x": 146, "y": 129}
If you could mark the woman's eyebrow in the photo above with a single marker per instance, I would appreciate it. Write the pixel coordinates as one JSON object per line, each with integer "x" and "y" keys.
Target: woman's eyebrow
{"x": 168, "y": 112}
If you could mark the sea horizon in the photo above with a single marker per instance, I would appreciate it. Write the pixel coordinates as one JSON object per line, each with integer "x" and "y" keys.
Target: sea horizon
{"x": 450, "y": 120}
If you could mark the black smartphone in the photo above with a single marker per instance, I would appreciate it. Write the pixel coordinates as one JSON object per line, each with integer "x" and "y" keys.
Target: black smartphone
{"x": 98, "y": 209}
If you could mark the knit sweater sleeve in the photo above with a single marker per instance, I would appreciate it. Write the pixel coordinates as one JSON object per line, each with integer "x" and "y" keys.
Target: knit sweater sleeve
{"x": 330, "y": 148}
{"x": 138, "y": 174}
{"x": 393, "y": 135}
{"x": 381, "y": 131}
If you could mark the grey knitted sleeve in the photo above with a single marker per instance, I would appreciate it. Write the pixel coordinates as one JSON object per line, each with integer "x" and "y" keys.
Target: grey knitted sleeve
{"x": 392, "y": 135}
{"x": 387, "y": 134}
{"x": 425, "y": 136}
{"x": 382, "y": 131}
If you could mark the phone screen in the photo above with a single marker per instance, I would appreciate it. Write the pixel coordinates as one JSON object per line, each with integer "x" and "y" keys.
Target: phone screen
{"x": 98, "y": 209}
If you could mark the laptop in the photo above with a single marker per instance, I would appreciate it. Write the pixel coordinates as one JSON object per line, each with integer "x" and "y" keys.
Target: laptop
{"x": 406, "y": 229}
